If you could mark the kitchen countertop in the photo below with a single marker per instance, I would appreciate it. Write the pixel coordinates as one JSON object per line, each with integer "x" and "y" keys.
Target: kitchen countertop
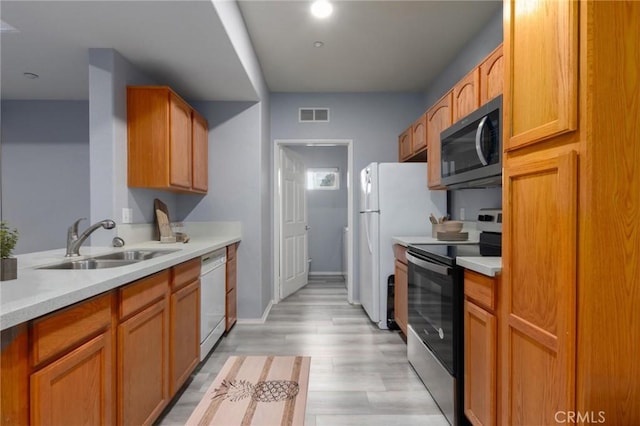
{"x": 486, "y": 265}
{"x": 428, "y": 239}
{"x": 38, "y": 292}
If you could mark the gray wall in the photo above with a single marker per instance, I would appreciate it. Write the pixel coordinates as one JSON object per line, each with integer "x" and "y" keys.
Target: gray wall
{"x": 326, "y": 210}
{"x": 471, "y": 55}
{"x": 45, "y": 170}
{"x": 484, "y": 43}
{"x": 109, "y": 75}
{"x": 372, "y": 120}
{"x": 235, "y": 193}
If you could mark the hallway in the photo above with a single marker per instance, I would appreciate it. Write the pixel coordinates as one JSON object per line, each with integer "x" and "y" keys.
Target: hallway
{"x": 359, "y": 374}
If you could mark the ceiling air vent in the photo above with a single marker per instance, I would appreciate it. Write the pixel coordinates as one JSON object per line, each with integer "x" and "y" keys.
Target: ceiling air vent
{"x": 313, "y": 115}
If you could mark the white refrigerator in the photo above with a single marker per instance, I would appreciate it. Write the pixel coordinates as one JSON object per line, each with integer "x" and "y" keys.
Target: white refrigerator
{"x": 394, "y": 201}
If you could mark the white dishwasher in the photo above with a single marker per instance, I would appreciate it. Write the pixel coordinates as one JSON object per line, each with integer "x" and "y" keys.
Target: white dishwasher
{"x": 213, "y": 293}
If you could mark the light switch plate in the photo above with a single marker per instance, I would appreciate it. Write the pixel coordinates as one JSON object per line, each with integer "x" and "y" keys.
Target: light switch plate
{"x": 126, "y": 215}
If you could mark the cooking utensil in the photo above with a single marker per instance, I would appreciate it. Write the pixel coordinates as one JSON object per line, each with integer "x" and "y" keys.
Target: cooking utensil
{"x": 433, "y": 219}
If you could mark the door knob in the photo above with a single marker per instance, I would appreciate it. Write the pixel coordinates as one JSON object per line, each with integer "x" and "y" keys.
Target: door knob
{"x": 307, "y": 227}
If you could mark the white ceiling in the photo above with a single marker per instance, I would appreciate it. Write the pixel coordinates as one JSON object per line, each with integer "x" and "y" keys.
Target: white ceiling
{"x": 368, "y": 45}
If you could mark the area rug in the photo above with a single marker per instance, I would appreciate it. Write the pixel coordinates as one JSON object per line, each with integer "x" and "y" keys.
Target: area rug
{"x": 256, "y": 391}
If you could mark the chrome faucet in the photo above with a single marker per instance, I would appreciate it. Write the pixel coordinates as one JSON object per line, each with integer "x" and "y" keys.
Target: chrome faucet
{"x": 74, "y": 241}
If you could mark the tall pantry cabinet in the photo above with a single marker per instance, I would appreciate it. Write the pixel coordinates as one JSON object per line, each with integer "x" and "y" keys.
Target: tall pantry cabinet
{"x": 569, "y": 329}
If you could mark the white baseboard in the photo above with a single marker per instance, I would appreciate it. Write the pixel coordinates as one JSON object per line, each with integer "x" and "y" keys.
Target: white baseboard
{"x": 327, "y": 273}
{"x": 257, "y": 320}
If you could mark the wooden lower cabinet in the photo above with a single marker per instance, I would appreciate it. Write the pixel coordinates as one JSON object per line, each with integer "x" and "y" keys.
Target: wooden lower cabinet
{"x": 400, "y": 296}
{"x": 143, "y": 365}
{"x": 480, "y": 348}
{"x": 184, "y": 334}
{"x": 76, "y": 389}
{"x": 231, "y": 311}
{"x": 117, "y": 358}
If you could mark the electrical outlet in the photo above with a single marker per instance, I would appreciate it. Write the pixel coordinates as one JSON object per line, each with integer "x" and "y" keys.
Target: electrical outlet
{"x": 461, "y": 213}
{"x": 126, "y": 215}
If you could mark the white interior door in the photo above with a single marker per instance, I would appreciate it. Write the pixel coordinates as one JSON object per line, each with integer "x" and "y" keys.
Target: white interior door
{"x": 294, "y": 269}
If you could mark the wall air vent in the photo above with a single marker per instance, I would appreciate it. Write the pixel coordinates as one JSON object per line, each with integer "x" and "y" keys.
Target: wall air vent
{"x": 313, "y": 115}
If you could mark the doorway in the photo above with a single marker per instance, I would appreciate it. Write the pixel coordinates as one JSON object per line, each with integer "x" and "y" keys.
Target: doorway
{"x": 346, "y": 180}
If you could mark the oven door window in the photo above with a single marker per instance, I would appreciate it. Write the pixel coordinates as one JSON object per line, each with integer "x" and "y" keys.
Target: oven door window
{"x": 431, "y": 312}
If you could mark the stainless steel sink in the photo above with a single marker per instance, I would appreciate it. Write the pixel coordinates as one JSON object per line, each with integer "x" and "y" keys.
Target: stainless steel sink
{"x": 134, "y": 255}
{"x": 91, "y": 264}
{"x": 112, "y": 260}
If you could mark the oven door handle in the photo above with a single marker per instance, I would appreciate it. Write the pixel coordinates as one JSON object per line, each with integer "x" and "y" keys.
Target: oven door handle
{"x": 438, "y": 269}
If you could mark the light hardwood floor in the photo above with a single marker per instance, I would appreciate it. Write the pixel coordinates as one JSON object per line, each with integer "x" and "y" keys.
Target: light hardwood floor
{"x": 359, "y": 374}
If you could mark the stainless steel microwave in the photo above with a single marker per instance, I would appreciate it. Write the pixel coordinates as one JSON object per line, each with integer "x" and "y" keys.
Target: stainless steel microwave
{"x": 471, "y": 149}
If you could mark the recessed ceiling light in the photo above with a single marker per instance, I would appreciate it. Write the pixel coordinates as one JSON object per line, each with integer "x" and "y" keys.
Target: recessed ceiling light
{"x": 318, "y": 44}
{"x": 30, "y": 75}
{"x": 321, "y": 9}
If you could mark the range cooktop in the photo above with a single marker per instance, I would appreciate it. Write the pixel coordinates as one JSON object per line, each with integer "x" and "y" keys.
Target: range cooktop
{"x": 445, "y": 253}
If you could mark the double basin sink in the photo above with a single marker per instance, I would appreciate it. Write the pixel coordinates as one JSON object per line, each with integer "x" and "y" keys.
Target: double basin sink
{"x": 112, "y": 260}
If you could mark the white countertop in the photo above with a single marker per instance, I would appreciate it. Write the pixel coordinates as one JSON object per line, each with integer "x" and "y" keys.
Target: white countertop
{"x": 486, "y": 265}
{"x": 38, "y": 292}
{"x": 428, "y": 239}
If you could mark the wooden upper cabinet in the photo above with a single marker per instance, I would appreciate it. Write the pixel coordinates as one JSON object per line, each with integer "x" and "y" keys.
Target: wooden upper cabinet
{"x": 179, "y": 142}
{"x": 491, "y": 76}
{"x": 419, "y": 134}
{"x": 466, "y": 95}
{"x": 200, "y": 152}
{"x": 404, "y": 144}
{"x": 161, "y": 144}
{"x": 541, "y": 53}
{"x": 439, "y": 117}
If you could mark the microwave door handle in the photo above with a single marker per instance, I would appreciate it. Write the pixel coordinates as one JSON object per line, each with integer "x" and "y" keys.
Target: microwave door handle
{"x": 438, "y": 269}
{"x": 479, "y": 133}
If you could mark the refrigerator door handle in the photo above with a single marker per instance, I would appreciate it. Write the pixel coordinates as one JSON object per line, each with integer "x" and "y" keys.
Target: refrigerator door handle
{"x": 369, "y": 211}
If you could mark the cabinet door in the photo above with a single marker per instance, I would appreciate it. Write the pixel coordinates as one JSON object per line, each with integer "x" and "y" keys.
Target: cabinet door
{"x": 400, "y": 300}
{"x": 466, "y": 95}
{"x": 438, "y": 119}
{"x": 143, "y": 365}
{"x": 76, "y": 389}
{"x": 179, "y": 143}
{"x": 404, "y": 145}
{"x": 480, "y": 345}
{"x": 538, "y": 303}
{"x": 541, "y": 52}
{"x": 491, "y": 76}
{"x": 185, "y": 334}
{"x": 231, "y": 314}
{"x": 419, "y": 136}
{"x": 200, "y": 163}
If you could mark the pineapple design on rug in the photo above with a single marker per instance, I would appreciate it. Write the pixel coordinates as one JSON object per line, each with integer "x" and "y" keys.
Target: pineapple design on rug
{"x": 256, "y": 391}
{"x": 269, "y": 391}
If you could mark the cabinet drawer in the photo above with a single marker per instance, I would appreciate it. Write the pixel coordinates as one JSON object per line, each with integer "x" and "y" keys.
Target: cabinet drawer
{"x": 185, "y": 273}
{"x": 480, "y": 289}
{"x": 142, "y": 293}
{"x": 61, "y": 331}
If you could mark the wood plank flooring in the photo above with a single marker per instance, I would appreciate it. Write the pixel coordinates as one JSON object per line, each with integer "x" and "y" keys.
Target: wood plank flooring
{"x": 359, "y": 374}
